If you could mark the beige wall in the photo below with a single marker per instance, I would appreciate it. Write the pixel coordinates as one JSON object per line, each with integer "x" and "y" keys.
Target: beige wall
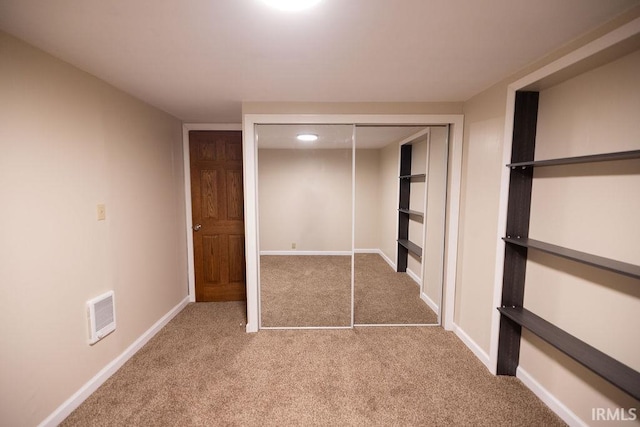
{"x": 70, "y": 141}
{"x": 367, "y": 199}
{"x": 351, "y": 108}
{"x": 481, "y": 170}
{"x": 304, "y": 197}
{"x": 575, "y": 387}
{"x": 388, "y": 185}
{"x": 592, "y": 208}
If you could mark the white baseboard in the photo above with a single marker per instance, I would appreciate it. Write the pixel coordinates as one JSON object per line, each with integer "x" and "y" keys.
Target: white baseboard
{"x": 432, "y": 305}
{"x": 379, "y": 252}
{"x": 305, "y": 253}
{"x": 473, "y": 346}
{"x": 567, "y": 415}
{"x": 414, "y": 276}
{"x": 92, "y": 385}
{"x": 386, "y": 258}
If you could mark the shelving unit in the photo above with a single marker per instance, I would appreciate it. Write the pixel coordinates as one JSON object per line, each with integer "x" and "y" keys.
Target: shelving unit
{"x": 594, "y": 158}
{"x": 404, "y": 213}
{"x": 514, "y": 316}
{"x": 582, "y": 257}
{"x": 607, "y": 367}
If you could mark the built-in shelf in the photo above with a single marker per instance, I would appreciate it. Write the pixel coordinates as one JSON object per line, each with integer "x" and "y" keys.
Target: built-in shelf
{"x": 410, "y": 212}
{"x": 606, "y": 157}
{"x": 415, "y": 177}
{"x": 513, "y": 316}
{"x": 405, "y": 215}
{"x": 608, "y": 368}
{"x": 411, "y": 247}
{"x": 582, "y": 257}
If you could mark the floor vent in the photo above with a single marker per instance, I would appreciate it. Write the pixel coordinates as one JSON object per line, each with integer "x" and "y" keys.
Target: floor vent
{"x": 102, "y": 317}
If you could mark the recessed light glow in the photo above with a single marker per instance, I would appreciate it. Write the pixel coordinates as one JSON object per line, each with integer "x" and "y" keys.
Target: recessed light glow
{"x": 307, "y": 137}
{"x": 292, "y": 5}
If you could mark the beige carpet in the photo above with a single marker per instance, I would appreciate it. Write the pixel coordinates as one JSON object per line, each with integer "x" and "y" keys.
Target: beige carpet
{"x": 202, "y": 369}
{"x": 383, "y": 296}
{"x": 305, "y": 290}
{"x": 316, "y": 291}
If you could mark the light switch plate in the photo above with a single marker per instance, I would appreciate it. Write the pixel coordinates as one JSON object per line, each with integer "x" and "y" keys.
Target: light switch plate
{"x": 102, "y": 212}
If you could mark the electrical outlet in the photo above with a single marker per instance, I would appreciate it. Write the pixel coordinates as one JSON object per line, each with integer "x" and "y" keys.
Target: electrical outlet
{"x": 293, "y": 246}
{"x": 102, "y": 212}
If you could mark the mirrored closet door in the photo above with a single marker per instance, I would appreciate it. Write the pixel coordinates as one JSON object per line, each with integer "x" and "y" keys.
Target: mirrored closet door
{"x": 305, "y": 217}
{"x": 400, "y": 200}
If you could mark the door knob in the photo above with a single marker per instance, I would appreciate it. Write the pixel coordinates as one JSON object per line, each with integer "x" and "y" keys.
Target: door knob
{"x": 197, "y": 227}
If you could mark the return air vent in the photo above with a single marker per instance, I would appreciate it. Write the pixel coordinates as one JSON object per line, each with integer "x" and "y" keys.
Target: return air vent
{"x": 102, "y": 316}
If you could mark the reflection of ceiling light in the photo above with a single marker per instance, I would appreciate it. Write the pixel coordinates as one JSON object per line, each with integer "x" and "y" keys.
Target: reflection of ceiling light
{"x": 307, "y": 137}
{"x": 291, "y": 5}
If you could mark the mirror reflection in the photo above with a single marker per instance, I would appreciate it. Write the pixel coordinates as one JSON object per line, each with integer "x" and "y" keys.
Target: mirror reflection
{"x": 307, "y": 207}
{"x": 305, "y": 225}
{"x": 400, "y": 197}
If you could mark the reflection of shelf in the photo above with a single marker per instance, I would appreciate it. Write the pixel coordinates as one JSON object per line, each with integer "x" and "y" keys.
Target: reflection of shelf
{"x": 415, "y": 177}
{"x": 607, "y": 157}
{"x": 608, "y": 368}
{"x": 585, "y": 258}
{"x": 412, "y": 247}
{"x": 410, "y": 212}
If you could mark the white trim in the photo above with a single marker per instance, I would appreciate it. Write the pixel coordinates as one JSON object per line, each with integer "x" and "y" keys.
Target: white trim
{"x": 63, "y": 411}
{"x": 612, "y": 38}
{"x": 452, "y": 222}
{"x": 250, "y": 191}
{"x": 251, "y": 232}
{"x": 432, "y": 305}
{"x": 415, "y": 278}
{"x": 367, "y": 251}
{"x": 394, "y": 325}
{"x": 567, "y": 415}
{"x": 288, "y": 328}
{"x": 306, "y": 253}
{"x": 423, "y": 245}
{"x": 353, "y": 224}
{"x": 386, "y": 258}
{"x": 186, "y": 127}
{"x": 472, "y": 345}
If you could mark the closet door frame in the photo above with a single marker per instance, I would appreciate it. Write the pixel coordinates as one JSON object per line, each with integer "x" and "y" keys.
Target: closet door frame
{"x": 250, "y": 154}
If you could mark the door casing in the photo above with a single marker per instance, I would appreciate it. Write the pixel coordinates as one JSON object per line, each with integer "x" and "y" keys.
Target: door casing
{"x": 186, "y": 127}
{"x": 456, "y": 121}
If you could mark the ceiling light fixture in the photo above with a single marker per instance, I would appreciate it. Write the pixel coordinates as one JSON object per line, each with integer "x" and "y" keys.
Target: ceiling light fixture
{"x": 307, "y": 137}
{"x": 292, "y": 5}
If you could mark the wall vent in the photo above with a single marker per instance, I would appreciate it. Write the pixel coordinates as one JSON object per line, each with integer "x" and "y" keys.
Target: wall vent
{"x": 102, "y": 316}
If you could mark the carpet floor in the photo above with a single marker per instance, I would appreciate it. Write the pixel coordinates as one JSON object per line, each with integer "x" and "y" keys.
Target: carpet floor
{"x": 316, "y": 291}
{"x": 305, "y": 290}
{"x": 202, "y": 369}
{"x": 383, "y": 296}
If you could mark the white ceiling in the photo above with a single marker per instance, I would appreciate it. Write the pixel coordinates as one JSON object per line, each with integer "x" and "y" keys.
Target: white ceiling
{"x": 198, "y": 60}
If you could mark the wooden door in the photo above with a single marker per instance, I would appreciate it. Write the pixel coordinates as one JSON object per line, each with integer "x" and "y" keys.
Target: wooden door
{"x": 218, "y": 215}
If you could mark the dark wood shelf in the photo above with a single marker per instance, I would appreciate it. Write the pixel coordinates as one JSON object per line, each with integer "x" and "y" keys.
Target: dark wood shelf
{"x": 607, "y": 367}
{"x": 411, "y": 247}
{"x": 583, "y": 257}
{"x": 410, "y": 212}
{"x": 607, "y": 157}
{"x": 418, "y": 176}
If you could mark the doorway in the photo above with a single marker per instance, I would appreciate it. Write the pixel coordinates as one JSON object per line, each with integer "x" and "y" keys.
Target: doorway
{"x": 217, "y": 202}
